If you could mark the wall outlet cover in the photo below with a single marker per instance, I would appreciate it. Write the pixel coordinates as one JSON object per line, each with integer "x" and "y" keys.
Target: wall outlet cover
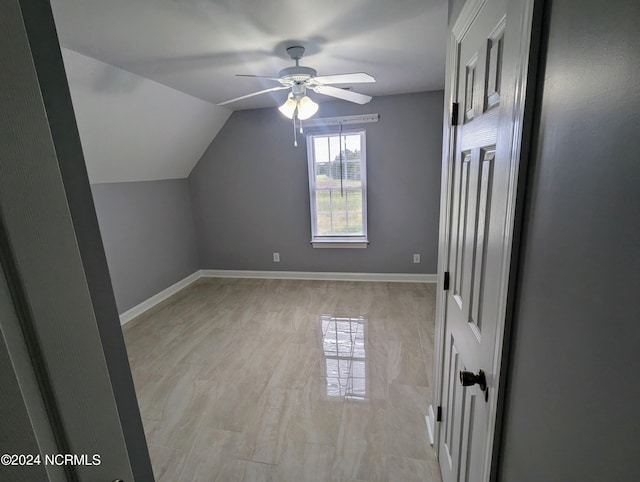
{"x": 276, "y": 257}
{"x": 416, "y": 258}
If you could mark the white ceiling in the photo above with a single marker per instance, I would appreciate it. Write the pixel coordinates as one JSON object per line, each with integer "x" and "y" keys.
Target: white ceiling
{"x": 134, "y": 129}
{"x": 196, "y": 46}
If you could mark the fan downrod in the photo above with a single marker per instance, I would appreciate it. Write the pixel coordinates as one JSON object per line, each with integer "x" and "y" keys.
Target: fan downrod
{"x": 297, "y": 74}
{"x": 295, "y": 52}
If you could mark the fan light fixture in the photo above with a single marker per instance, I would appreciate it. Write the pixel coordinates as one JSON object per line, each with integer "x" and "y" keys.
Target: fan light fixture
{"x": 305, "y": 107}
{"x": 289, "y": 107}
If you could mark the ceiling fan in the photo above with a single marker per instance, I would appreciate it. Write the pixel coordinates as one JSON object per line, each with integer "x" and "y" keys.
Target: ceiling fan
{"x": 299, "y": 79}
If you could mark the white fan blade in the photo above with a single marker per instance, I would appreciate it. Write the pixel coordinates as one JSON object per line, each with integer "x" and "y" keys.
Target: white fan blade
{"x": 354, "y": 78}
{"x": 260, "y": 77}
{"x": 342, "y": 94}
{"x": 272, "y": 89}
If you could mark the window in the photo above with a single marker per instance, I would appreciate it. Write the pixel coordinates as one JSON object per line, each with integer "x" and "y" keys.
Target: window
{"x": 338, "y": 189}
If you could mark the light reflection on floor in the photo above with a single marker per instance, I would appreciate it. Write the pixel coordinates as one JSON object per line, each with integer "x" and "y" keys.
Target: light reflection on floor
{"x": 343, "y": 343}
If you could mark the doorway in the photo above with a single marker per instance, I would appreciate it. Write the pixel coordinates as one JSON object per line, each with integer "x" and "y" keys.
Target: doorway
{"x": 488, "y": 72}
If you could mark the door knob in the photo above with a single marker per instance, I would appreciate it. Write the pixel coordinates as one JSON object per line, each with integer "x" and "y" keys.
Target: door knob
{"x": 469, "y": 378}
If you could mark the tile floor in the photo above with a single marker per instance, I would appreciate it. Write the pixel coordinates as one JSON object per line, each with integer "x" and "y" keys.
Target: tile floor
{"x": 281, "y": 380}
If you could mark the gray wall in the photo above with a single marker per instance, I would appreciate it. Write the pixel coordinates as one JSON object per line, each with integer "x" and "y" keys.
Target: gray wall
{"x": 148, "y": 235}
{"x": 250, "y": 191}
{"x": 574, "y": 393}
{"x": 455, "y": 6}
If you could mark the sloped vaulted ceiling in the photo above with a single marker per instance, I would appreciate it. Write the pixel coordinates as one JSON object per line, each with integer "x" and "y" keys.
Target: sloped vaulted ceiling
{"x": 145, "y": 75}
{"x": 134, "y": 129}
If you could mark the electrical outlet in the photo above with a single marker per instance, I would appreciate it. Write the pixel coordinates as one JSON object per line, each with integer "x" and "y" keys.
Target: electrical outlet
{"x": 276, "y": 257}
{"x": 416, "y": 258}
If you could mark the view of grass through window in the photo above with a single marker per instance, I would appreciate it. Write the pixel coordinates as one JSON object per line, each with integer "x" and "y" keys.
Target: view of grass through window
{"x": 338, "y": 185}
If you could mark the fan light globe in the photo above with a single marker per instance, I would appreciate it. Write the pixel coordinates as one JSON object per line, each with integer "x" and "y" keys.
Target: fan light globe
{"x": 289, "y": 107}
{"x": 306, "y": 108}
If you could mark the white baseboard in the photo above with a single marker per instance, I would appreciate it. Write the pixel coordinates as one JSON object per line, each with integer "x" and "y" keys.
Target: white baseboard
{"x": 302, "y": 275}
{"x": 431, "y": 418}
{"x": 137, "y": 310}
{"x": 320, "y": 275}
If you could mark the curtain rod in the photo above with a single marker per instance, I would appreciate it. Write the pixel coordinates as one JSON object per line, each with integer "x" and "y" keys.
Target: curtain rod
{"x": 345, "y": 120}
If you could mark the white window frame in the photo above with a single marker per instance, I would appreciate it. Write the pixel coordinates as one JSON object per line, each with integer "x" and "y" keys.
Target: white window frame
{"x": 342, "y": 241}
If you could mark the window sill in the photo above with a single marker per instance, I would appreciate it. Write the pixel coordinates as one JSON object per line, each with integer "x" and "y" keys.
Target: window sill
{"x": 341, "y": 243}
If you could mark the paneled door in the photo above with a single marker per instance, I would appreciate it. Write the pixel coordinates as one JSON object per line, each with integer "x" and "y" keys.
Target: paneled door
{"x": 486, "y": 84}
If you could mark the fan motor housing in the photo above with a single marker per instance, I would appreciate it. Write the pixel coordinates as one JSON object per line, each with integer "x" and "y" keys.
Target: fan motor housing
{"x": 297, "y": 73}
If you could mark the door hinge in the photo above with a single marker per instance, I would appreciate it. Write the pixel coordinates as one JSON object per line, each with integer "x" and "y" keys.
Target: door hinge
{"x": 446, "y": 281}
{"x": 454, "y": 114}
{"x": 439, "y": 414}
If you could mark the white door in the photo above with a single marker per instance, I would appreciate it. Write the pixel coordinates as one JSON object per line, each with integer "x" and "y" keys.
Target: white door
{"x": 482, "y": 164}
